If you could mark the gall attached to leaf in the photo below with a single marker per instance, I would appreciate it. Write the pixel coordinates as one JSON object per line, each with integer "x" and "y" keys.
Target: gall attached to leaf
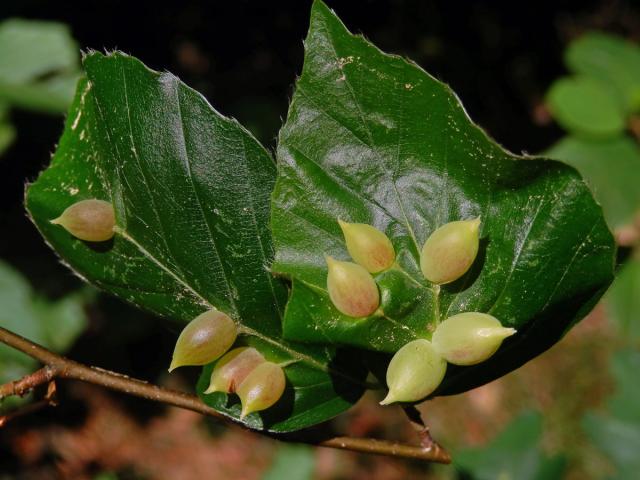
{"x": 261, "y": 388}
{"x": 368, "y": 246}
{"x": 414, "y": 372}
{"x": 450, "y": 251}
{"x": 231, "y": 370}
{"x": 204, "y": 339}
{"x": 90, "y": 220}
{"x": 351, "y": 288}
{"x": 469, "y": 338}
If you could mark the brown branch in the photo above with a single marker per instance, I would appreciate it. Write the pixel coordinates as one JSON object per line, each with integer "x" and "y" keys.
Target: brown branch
{"x": 26, "y": 384}
{"x": 57, "y": 366}
{"x": 424, "y": 434}
{"x": 48, "y": 400}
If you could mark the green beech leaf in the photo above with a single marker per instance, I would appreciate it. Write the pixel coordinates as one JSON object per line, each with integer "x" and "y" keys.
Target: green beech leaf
{"x": 191, "y": 194}
{"x": 612, "y": 168}
{"x": 373, "y": 138}
{"x": 585, "y": 106}
{"x": 612, "y": 60}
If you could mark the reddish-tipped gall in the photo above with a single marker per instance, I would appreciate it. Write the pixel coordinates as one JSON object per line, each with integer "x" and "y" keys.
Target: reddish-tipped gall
{"x": 351, "y": 288}
{"x": 231, "y": 370}
{"x": 204, "y": 339}
{"x": 450, "y": 251}
{"x": 368, "y": 246}
{"x": 469, "y": 338}
{"x": 262, "y": 388}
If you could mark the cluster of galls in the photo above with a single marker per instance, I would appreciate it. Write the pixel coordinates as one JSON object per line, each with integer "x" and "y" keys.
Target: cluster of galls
{"x": 243, "y": 371}
{"x": 417, "y": 369}
{"x": 414, "y": 372}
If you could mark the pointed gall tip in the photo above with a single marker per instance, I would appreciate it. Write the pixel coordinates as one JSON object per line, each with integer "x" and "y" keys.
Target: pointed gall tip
{"x": 56, "y": 221}
{"x": 342, "y": 224}
{"x": 210, "y": 389}
{"x": 497, "y": 332}
{"x": 329, "y": 259}
{"x": 173, "y": 365}
{"x": 388, "y": 399}
{"x": 507, "y": 332}
{"x": 245, "y": 411}
{"x": 475, "y": 224}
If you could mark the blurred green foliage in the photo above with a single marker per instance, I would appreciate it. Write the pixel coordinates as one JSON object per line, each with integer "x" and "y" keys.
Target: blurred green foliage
{"x": 617, "y": 435}
{"x": 612, "y": 166}
{"x": 515, "y": 454}
{"x": 39, "y": 69}
{"x": 623, "y": 301}
{"x": 293, "y": 462}
{"x": 601, "y": 116}
{"x": 596, "y": 105}
{"x": 53, "y": 324}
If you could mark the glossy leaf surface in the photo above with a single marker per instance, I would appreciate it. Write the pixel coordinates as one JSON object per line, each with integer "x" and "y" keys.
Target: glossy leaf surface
{"x": 191, "y": 195}
{"x": 612, "y": 168}
{"x": 372, "y": 138}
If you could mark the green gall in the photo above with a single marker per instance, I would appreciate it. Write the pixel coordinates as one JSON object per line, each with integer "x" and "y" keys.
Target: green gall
{"x": 414, "y": 372}
{"x": 261, "y": 388}
{"x": 90, "y": 220}
{"x": 368, "y": 246}
{"x": 450, "y": 251}
{"x": 469, "y": 338}
{"x": 204, "y": 339}
{"x": 231, "y": 370}
{"x": 351, "y": 288}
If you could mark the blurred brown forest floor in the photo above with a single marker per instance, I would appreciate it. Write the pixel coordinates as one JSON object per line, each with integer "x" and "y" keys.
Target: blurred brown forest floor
{"x": 137, "y": 440}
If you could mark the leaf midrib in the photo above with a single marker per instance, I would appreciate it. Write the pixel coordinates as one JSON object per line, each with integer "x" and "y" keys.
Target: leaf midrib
{"x": 181, "y": 281}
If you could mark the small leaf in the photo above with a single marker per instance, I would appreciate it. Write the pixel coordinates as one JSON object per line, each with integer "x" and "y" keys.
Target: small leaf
{"x": 372, "y": 138}
{"x": 612, "y": 60}
{"x": 38, "y": 64}
{"x": 612, "y": 168}
{"x": 585, "y": 106}
{"x": 191, "y": 192}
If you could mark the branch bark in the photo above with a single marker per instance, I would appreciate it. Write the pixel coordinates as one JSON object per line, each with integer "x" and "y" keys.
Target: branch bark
{"x": 57, "y": 366}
